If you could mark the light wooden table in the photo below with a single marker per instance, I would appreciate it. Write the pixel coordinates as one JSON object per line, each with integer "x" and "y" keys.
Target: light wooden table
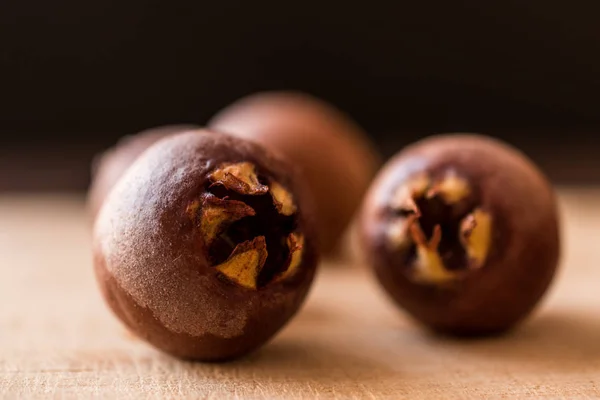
{"x": 57, "y": 339}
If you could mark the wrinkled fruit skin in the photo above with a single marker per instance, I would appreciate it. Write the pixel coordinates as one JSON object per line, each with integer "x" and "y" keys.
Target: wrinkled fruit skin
{"x": 109, "y": 166}
{"x": 155, "y": 254}
{"x": 332, "y": 152}
{"x": 519, "y": 260}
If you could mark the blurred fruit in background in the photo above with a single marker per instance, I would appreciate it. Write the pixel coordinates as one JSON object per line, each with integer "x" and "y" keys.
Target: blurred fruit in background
{"x": 333, "y": 153}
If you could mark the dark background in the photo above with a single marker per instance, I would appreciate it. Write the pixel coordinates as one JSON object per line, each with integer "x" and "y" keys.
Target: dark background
{"x": 75, "y": 75}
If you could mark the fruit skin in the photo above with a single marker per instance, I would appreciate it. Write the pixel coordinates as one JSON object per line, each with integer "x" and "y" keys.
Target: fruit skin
{"x": 110, "y": 165}
{"x": 151, "y": 262}
{"x": 525, "y": 242}
{"x": 333, "y": 153}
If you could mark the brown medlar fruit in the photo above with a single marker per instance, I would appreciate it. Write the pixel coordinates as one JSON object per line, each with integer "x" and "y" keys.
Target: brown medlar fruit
{"x": 332, "y": 152}
{"x": 205, "y": 248}
{"x": 462, "y": 232}
{"x": 109, "y": 166}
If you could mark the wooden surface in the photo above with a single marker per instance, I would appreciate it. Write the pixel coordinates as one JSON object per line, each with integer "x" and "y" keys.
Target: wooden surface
{"x": 57, "y": 339}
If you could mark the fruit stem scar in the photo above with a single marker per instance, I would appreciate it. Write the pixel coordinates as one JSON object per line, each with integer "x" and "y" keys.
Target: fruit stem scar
{"x": 427, "y": 204}
{"x": 248, "y": 228}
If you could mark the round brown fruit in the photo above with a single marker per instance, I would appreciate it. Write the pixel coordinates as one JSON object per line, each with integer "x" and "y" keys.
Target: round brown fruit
{"x": 331, "y": 151}
{"x": 109, "y": 166}
{"x": 205, "y": 247}
{"x": 462, "y": 232}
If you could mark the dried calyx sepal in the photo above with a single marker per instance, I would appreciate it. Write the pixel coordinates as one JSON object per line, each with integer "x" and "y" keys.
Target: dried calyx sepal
{"x": 438, "y": 228}
{"x": 248, "y": 223}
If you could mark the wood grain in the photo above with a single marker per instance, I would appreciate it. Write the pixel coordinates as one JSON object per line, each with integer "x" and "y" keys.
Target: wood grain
{"x": 58, "y": 340}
